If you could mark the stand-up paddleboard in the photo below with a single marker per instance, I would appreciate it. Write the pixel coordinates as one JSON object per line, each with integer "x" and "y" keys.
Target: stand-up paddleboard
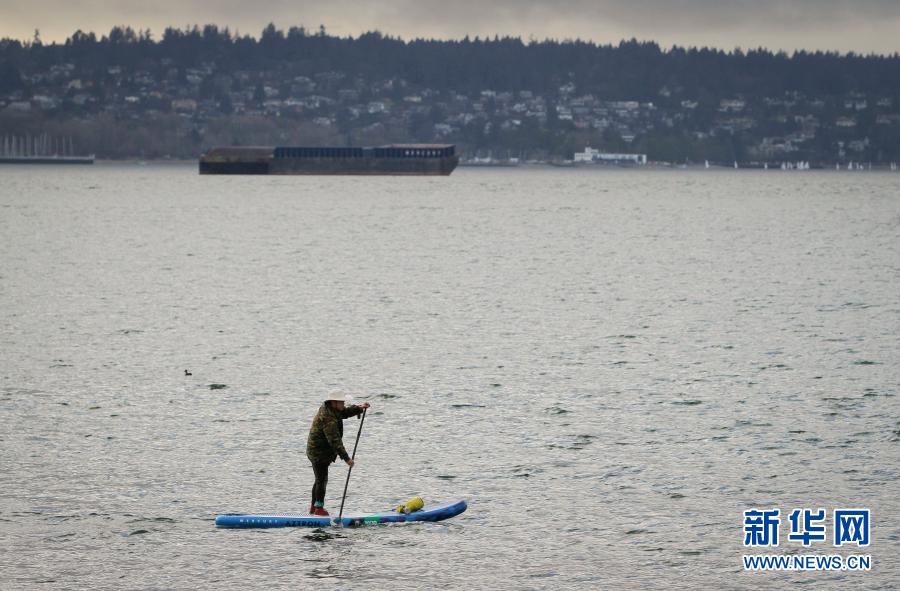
{"x": 436, "y": 513}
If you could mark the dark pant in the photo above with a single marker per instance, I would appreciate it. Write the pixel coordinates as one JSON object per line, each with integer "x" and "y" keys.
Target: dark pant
{"x": 320, "y": 469}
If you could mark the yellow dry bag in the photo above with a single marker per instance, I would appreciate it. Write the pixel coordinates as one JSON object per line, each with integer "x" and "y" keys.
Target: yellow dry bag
{"x": 410, "y": 506}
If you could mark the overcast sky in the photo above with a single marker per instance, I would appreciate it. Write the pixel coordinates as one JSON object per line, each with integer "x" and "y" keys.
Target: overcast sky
{"x": 845, "y": 25}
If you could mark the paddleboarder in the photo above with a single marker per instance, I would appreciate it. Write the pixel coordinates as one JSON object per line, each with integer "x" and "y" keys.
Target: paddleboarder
{"x": 324, "y": 444}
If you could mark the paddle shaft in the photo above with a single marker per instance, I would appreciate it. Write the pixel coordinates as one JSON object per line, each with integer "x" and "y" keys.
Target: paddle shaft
{"x": 350, "y": 468}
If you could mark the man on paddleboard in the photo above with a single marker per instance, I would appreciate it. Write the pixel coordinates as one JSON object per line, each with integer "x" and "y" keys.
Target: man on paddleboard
{"x": 324, "y": 443}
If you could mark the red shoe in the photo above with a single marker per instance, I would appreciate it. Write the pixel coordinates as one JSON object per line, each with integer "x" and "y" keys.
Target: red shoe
{"x": 312, "y": 509}
{"x": 320, "y": 511}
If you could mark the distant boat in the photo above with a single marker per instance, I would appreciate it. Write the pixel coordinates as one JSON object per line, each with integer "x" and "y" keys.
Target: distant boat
{"x": 706, "y": 163}
{"x": 476, "y": 161}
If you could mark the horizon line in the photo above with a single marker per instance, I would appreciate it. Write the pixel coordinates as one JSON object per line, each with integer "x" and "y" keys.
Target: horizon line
{"x": 531, "y": 39}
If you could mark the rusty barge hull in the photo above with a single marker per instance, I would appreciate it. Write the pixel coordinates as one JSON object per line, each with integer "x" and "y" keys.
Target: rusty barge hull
{"x": 394, "y": 159}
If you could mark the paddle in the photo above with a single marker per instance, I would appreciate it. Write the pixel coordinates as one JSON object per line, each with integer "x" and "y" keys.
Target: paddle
{"x": 350, "y": 468}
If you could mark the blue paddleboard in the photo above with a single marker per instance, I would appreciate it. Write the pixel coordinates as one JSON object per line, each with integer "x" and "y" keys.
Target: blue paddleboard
{"x": 436, "y": 513}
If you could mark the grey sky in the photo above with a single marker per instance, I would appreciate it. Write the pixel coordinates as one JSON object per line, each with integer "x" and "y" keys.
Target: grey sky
{"x": 845, "y": 25}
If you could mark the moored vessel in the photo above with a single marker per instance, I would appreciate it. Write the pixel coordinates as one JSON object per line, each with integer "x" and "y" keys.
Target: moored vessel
{"x": 393, "y": 159}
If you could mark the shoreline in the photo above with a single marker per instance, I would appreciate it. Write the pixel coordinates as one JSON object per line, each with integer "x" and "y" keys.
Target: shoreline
{"x": 529, "y": 165}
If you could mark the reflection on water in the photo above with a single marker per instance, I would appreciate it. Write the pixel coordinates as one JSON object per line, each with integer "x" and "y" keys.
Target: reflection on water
{"x": 322, "y": 535}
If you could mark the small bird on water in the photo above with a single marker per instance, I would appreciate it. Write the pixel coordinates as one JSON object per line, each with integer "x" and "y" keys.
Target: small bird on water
{"x": 187, "y": 373}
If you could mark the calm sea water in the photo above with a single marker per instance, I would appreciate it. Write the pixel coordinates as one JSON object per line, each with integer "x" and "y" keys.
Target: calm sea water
{"x": 610, "y": 366}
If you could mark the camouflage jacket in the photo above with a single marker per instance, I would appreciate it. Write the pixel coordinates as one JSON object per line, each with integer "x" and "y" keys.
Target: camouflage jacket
{"x": 324, "y": 441}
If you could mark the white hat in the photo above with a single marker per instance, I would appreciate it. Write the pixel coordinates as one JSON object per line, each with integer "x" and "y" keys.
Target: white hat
{"x": 339, "y": 396}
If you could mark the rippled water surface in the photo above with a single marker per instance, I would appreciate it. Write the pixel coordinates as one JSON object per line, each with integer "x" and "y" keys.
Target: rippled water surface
{"x": 610, "y": 366}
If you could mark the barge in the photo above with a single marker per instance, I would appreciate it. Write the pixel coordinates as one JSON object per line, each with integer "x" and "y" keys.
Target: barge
{"x": 47, "y": 159}
{"x": 393, "y": 159}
